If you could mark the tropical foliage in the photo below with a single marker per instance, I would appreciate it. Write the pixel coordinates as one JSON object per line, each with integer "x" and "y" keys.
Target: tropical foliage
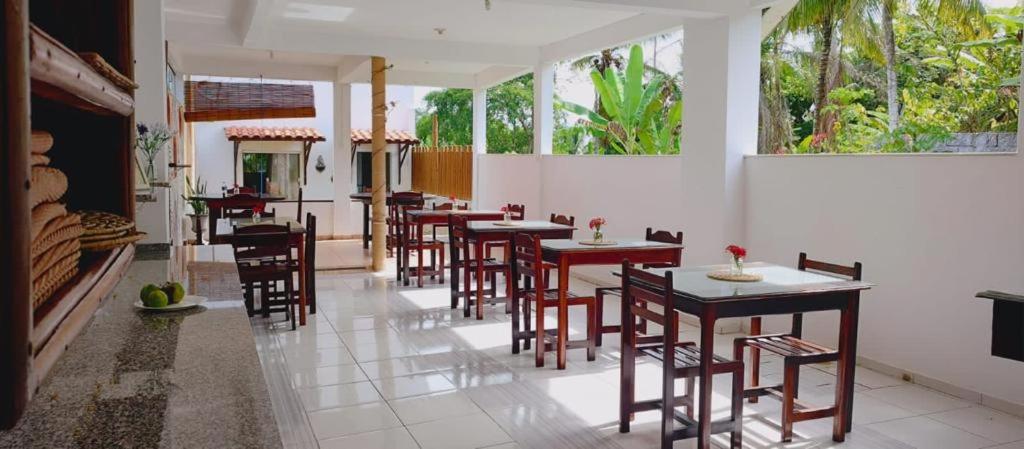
{"x": 638, "y": 114}
{"x": 509, "y": 117}
{"x": 888, "y": 75}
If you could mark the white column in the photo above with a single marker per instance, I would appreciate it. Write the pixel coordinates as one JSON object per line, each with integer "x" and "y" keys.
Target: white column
{"x": 721, "y": 73}
{"x": 150, "y": 98}
{"x": 346, "y": 216}
{"x": 543, "y": 107}
{"x": 479, "y": 139}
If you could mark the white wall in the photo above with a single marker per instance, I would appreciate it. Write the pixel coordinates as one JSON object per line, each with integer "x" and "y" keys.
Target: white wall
{"x": 931, "y": 232}
{"x": 153, "y": 218}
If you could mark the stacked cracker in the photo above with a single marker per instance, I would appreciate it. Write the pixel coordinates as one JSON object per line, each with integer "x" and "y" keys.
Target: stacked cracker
{"x": 103, "y": 230}
{"x": 55, "y": 248}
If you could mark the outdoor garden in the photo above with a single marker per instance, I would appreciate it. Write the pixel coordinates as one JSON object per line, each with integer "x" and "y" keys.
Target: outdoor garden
{"x": 837, "y": 76}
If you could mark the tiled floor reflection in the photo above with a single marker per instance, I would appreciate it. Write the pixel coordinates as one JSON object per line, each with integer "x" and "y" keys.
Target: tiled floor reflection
{"x": 381, "y": 366}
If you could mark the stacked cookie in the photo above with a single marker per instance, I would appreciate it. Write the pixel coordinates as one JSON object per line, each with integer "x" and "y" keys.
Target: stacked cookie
{"x": 103, "y": 230}
{"x": 55, "y": 248}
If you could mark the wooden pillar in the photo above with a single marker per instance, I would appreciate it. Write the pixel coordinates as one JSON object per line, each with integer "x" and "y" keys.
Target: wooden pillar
{"x": 378, "y": 85}
{"x": 15, "y": 303}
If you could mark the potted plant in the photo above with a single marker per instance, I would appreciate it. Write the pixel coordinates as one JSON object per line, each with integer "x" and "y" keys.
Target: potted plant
{"x": 193, "y": 193}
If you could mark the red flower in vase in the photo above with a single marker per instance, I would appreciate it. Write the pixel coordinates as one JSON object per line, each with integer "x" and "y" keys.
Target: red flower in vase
{"x": 596, "y": 223}
{"x": 257, "y": 209}
{"x": 738, "y": 252}
{"x": 451, "y": 198}
{"x": 504, "y": 209}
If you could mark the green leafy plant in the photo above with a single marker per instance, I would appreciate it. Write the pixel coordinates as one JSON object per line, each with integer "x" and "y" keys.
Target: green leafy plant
{"x": 193, "y": 193}
{"x": 635, "y": 118}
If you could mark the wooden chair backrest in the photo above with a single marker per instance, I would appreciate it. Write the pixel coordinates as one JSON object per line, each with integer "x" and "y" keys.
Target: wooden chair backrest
{"x": 563, "y": 220}
{"x": 516, "y": 211}
{"x": 529, "y": 259}
{"x": 247, "y": 213}
{"x": 644, "y": 288}
{"x": 457, "y": 236}
{"x": 666, "y": 237}
{"x": 854, "y": 272}
{"x": 261, "y": 241}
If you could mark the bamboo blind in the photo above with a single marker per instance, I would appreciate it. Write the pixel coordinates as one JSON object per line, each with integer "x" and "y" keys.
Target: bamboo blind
{"x": 445, "y": 171}
{"x": 213, "y": 101}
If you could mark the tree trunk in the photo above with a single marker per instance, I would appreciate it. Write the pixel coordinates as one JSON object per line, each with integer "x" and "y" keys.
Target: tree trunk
{"x": 821, "y": 97}
{"x": 891, "y": 84}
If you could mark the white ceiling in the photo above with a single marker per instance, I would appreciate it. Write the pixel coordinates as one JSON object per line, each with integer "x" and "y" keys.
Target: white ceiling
{"x": 331, "y": 39}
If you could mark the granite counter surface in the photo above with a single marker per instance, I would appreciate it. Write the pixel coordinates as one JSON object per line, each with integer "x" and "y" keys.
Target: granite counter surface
{"x": 188, "y": 379}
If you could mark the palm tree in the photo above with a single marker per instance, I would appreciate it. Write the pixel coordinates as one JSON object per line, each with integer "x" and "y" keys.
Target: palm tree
{"x": 958, "y": 13}
{"x": 832, "y": 22}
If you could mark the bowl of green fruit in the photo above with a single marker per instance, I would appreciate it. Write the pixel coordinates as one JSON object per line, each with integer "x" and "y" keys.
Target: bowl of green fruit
{"x": 166, "y": 297}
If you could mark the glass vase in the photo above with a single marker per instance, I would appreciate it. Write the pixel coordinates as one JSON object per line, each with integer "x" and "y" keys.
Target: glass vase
{"x": 736, "y": 268}
{"x": 598, "y": 236}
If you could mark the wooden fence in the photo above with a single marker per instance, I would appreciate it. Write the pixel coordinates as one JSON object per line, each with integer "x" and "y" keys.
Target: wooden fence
{"x": 444, "y": 171}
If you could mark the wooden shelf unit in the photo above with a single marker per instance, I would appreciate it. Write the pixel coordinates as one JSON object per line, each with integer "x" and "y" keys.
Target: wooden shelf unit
{"x": 46, "y": 86}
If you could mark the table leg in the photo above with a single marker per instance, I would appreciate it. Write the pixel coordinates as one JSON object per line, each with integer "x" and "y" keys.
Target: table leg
{"x": 478, "y": 254}
{"x": 563, "y": 309}
{"x": 214, "y": 215}
{"x": 419, "y": 254}
{"x": 302, "y": 282}
{"x": 854, "y": 322}
{"x": 707, "y": 352}
{"x": 513, "y": 297}
{"x": 366, "y": 225}
{"x": 845, "y": 368}
{"x": 404, "y": 244}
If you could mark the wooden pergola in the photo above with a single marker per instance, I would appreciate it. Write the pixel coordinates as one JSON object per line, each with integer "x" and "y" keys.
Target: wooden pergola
{"x": 308, "y": 136}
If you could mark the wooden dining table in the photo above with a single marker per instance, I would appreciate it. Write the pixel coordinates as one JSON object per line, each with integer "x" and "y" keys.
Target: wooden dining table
{"x": 417, "y": 220}
{"x": 296, "y": 231}
{"x": 366, "y": 198}
{"x": 783, "y": 291}
{"x": 217, "y": 204}
{"x": 478, "y": 233}
{"x": 567, "y": 253}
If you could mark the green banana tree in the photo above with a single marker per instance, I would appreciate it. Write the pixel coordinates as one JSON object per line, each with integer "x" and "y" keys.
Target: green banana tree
{"x": 635, "y": 120}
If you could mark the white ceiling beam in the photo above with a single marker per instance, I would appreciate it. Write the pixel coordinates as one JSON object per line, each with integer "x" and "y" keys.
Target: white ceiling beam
{"x": 438, "y": 49}
{"x": 774, "y": 15}
{"x": 240, "y": 68}
{"x": 494, "y": 75}
{"x": 687, "y": 8}
{"x": 203, "y": 34}
{"x": 354, "y": 69}
{"x": 632, "y": 29}
{"x": 253, "y": 20}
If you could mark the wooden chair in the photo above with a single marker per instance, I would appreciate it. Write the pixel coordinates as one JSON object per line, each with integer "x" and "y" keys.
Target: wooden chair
{"x": 563, "y": 220}
{"x": 650, "y": 236}
{"x": 263, "y": 254}
{"x": 462, "y": 258}
{"x": 310, "y": 253}
{"x": 394, "y": 219}
{"x": 640, "y": 287}
{"x": 516, "y": 212}
{"x": 795, "y": 352}
{"x": 435, "y": 247}
{"x": 445, "y": 206}
{"x": 530, "y": 265}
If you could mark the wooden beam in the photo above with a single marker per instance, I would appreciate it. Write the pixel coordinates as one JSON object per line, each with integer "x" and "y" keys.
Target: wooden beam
{"x": 15, "y": 306}
{"x": 378, "y": 84}
{"x": 234, "y": 168}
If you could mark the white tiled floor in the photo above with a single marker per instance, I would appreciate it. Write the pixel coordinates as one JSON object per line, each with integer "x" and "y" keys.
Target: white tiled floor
{"x": 381, "y": 366}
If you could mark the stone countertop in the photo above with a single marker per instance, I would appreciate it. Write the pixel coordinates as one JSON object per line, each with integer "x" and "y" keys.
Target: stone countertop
{"x": 132, "y": 379}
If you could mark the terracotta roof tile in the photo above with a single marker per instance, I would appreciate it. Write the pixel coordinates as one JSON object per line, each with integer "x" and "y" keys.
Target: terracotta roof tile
{"x": 271, "y": 133}
{"x": 360, "y": 136}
